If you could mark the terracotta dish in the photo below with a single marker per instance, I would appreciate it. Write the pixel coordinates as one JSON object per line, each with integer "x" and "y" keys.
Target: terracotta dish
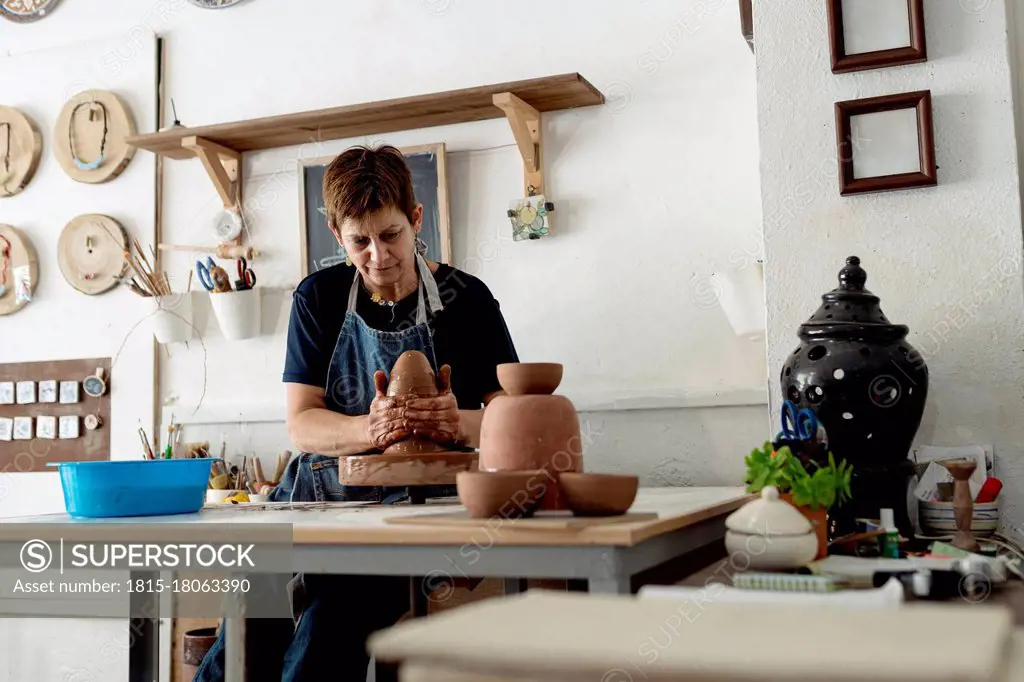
{"x": 598, "y": 494}
{"x": 522, "y": 378}
{"x": 505, "y": 494}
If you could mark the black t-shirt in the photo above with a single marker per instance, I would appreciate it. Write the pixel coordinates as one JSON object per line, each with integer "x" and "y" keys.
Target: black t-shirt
{"x": 469, "y": 334}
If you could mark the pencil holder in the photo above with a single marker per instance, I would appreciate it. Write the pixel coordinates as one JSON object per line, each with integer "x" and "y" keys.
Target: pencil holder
{"x": 238, "y": 313}
{"x": 172, "y": 318}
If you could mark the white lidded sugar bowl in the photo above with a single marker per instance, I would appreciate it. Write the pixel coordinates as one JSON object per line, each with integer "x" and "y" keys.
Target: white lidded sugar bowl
{"x": 769, "y": 533}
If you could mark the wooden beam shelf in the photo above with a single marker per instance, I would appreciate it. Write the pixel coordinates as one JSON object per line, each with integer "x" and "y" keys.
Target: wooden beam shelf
{"x": 550, "y": 93}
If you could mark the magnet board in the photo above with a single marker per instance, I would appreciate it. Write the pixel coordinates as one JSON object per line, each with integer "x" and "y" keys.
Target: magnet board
{"x": 95, "y": 123}
{"x": 91, "y": 251}
{"x": 19, "y": 456}
{"x": 19, "y": 271}
{"x": 427, "y": 164}
{"x": 21, "y": 145}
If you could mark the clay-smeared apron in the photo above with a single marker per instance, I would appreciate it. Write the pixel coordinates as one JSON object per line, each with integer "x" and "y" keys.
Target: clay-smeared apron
{"x": 358, "y": 353}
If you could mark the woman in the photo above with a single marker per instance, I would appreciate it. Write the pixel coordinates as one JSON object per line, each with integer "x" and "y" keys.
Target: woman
{"x": 349, "y": 323}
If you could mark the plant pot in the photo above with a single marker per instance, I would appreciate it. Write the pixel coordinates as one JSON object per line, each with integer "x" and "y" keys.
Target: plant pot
{"x": 238, "y": 313}
{"x": 818, "y": 519}
{"x": 172, "y": 318}
{"x": 194, "y": 646}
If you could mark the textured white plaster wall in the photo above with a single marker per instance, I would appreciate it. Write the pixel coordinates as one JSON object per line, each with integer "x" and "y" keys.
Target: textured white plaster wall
{"x": 945, "y": 260}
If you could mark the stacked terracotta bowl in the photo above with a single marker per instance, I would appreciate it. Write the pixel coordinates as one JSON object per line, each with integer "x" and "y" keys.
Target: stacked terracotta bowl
{"x": 531, "y": 454}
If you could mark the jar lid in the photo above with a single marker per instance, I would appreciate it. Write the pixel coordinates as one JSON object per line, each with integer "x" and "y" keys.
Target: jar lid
{"x": 850, "y": 311}
{"x": 768, "y": 515}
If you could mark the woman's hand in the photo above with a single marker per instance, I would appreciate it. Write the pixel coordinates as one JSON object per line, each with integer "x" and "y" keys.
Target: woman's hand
{"x": 436, "y": 418}
{"x": 386, "y": 421}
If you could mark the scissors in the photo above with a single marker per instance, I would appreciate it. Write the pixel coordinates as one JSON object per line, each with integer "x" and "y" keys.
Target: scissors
{"x": 798, "y": 424}
{"x": 246, "y": 277}
{"x": 212, "y": 276}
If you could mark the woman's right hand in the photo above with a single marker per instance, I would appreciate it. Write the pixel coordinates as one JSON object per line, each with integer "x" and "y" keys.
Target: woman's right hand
{"x": 385, "y": 423}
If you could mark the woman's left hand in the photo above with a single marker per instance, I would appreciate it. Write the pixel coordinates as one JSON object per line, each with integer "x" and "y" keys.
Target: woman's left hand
{"x": 435, "y": 418}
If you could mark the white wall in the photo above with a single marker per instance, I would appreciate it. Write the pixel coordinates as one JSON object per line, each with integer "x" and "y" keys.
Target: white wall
{"x": 945, "y": 260}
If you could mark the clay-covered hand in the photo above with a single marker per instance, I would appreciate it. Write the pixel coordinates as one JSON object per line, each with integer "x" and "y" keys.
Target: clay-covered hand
{"x": 384, "y": 425}
{"x": 436, "y": 418}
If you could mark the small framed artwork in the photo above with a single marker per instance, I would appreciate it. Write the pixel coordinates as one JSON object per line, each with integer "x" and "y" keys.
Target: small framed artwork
{"x": 885, "y": 143}
{"x": 48, "y": 391}
{"x": 6, "y": 392}
{"x": 6, "y": 428}
{"x": 46, "y": 427}
{"x": 871, "y": 34}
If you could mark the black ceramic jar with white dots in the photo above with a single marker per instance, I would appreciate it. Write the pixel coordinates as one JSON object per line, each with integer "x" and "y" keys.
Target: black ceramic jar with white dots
{"x": 868, "y": 387}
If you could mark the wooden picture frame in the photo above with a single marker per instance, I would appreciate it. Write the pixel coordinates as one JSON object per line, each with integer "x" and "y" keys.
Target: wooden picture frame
{"x": 846, "y": 143}
{"x": 747, "y": 22}
{"x": 843, "y": 62}
{"x": 429, "y": 156}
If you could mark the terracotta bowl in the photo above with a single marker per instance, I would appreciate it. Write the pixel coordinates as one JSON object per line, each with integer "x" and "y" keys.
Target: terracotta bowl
{"x": 598, "y": 494}
{"x": 521, "y": 378}
{"x": 505, "y": 494}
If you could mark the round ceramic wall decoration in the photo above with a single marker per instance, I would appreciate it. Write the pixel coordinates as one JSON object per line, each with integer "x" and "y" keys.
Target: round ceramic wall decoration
{"x": 26, "y": 10}
{"x": 214, "y": 4}
{"x": 91, "y": 253}
{"x": 20, "y": 148}
{"x": 89, "y": 137}
{"x": 19, "y": 270}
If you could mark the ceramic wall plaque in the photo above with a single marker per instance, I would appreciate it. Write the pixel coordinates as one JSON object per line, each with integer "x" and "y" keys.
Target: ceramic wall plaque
{"x": 19, "y": 270}
{"x": 26, "y": 10}
{"x": 21, "y": 145}
{"x": 91, "y": 251}
{"x": 89, "y": 136}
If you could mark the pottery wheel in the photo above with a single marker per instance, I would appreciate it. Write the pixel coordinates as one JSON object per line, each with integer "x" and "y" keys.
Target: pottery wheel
{"x": 436, "y": 468}
{"x": 19, "y": 270}
{"x": 20, "y": 148}
{"x": 91, "y": 253}
{"x": 86, "y": 130}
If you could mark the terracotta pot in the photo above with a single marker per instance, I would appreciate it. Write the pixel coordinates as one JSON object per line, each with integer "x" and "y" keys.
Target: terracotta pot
{"x": 819, "y": 519}
{"x": 194, "y": 645}
{"x": 532, "y": 433}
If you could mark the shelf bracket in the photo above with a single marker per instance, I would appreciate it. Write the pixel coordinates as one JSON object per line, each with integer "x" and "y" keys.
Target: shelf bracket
{"x": 223, "y": 165}
{"x": 525, "y": 123}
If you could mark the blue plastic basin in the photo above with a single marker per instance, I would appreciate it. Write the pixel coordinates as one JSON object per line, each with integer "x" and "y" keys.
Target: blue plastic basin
{"x": 134, "y": 487}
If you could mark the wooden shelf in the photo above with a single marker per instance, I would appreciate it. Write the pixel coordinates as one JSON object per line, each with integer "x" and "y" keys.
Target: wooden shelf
{"x": 550, "y": 93}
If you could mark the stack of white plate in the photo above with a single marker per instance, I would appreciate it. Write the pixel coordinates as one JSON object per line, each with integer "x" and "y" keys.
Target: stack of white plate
{"x": 937, "y": 518}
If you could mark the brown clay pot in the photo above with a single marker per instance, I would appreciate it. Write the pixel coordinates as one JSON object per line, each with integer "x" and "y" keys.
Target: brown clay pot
{"x": 522, "y": 378}
{"x": 504, "y": 494}
{"x": 194, "y": 645}
{"x": 599, "y": 494}
{"x": 530, "y": 433}
{"x": 818, "y": 519}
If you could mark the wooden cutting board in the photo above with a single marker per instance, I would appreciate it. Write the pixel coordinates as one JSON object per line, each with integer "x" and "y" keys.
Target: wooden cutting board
{"x": 539, "y": 522}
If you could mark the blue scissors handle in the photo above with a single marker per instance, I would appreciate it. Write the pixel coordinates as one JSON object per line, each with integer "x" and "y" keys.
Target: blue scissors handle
{"x": 203, "y": 272}
{"x": 798, "y": 424}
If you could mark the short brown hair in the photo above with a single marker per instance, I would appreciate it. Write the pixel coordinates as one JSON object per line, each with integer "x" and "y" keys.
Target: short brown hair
{"x": 362, "y": 181}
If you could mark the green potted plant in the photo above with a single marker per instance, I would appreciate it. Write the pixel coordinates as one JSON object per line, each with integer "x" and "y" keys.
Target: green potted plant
{"x": 813, "y": 489}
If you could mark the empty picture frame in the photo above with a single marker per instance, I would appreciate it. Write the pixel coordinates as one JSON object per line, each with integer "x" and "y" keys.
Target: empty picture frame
{"x": 871, "y": 34}
{"x": 885, "y": 143}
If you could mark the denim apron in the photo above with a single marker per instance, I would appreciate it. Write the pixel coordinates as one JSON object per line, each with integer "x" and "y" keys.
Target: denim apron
{"x": 358, "y": 353}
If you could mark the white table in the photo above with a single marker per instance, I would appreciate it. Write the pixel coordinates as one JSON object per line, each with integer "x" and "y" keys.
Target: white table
{"x": 356, "y": 538}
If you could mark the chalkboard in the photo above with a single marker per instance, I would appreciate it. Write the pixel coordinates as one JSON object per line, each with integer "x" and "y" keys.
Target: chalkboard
{"x": 430, "y": 183}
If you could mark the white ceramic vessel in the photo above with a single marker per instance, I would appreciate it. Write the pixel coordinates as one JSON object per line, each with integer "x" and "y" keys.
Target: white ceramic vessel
{"x": 769, "y": 533}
